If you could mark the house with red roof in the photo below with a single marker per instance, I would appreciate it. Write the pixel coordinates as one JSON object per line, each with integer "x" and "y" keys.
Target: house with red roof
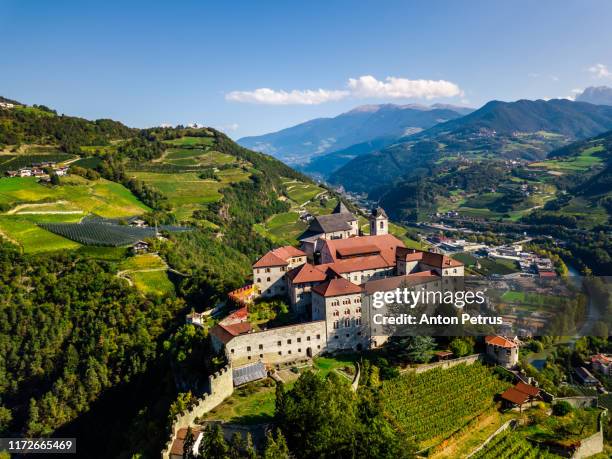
{"x": 502, "y": 350}
{"x": 269, "y": 272}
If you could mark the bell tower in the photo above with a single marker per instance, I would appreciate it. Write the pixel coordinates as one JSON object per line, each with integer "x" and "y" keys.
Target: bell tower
{"x": 379, "y": 222}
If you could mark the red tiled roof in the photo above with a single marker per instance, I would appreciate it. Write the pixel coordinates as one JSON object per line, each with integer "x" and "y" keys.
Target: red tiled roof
{"x": 278, "y": 257}
{"x": 336, "y": 287}
{"x": 391, "y": 283}
{"x": 547, "y": 274}
{"x": 430, "y": 258}
{"x": 528, "y": 389}
{"x": 515, "y": 396}
{"x": 269, "y": 259}
{"x": 366, "y": 249}
{"x": 306, "y": 273}
{"x": 601, "y": 358}
{"x": 500, "y": 341}
{"x": 177, "y": 444}
{"x": 385, "y": 243}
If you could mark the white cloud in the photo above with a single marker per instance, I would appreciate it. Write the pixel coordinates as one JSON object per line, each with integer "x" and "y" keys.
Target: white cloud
{"x": 363, "y": 87}
{"x": 402, "y": 88}
{"x": 600, "y": 71}
{"x": 229, "y": 127}
{"x": 295, "y": 97}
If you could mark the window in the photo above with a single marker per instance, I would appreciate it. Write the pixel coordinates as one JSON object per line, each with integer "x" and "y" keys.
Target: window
{"x": 299, "y": 340}
{"x": 249, "y": 357}
{"x": 288, "y": 341}
{"x": 261, "y": 346}
{"x": 268, "y": 279}
{"x": 267, "y": 270}
{"x": 347, "y": 311}
{"x": 232, "y": 351}
{"x": 278, "y": 343}
{"x": 300, "y": 350}
{"x": 347, "y": 322}
{"x": 280, "y": 352}
{"x": 336, "y": 313}
{"x": 382, "y": 225}
{"x": 319, "y": 347}
{"x": 336, "y": 324}
{"x": 358, "y": 310}
{"x": 336, "y": 337}
{"x": 358, "y": 321}
{"x": 258, "y": 280}
{"x": 455, "y": 270}
{"x": 308, "y": 338}
{"x": 289, "y": 351}
{"x": 248, "y": 348}
{"x": 261, "y": 356}
{"x": 318, "y": 336}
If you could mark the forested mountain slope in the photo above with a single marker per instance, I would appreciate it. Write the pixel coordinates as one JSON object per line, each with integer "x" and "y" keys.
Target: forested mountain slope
{"x": 514, "y": 130}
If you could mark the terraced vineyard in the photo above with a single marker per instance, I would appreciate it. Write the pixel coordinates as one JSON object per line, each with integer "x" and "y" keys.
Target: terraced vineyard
{"x": 13, "y": 162}
{"x": 430, "y": 406}
{"x": 510, "y": 444}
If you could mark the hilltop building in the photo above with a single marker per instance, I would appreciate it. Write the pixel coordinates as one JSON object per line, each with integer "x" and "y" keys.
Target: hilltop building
{"x": 329, "y": 283}
{"x": 340, "y": 224}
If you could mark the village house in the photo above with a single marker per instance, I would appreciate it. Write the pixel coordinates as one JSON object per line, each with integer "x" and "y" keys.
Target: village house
{"x": 520, "y": 396}
{"x": 502, "y": 350}
{"x": 269, "y": 272}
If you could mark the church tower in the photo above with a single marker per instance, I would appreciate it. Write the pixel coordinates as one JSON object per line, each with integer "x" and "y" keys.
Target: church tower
{"x": 379, "y": 222}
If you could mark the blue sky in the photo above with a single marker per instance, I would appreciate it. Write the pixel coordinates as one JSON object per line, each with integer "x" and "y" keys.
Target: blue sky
{"x": 148, "y": 63}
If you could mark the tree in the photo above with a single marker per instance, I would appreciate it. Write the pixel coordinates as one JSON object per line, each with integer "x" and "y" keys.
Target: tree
{"x": 276, "y": 448}
{"x": 461, "y": 347}
{"x": 561, "y": 408}
{"x": 249, "y": 449}
{"x": 237, "y": 446}
{"x": 213, "y": 444}
{"x": 420, "y": 348}
{"x": 188, "y": 444}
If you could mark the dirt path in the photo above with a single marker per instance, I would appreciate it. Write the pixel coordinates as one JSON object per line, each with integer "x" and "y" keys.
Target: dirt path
{"x": 5, "y": 236}
{"x": 17, "y": 208}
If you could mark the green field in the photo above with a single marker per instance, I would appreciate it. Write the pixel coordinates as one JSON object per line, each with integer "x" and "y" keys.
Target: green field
{"x": 31, "y": 203}
{"x": 102, "y": 197}
{"x": 23, "y": 230}
{"x": 152, "y": 283}
{"x": 191, "y": 141}
{"x": 587, "y": 159}
{"x": 300, "y": 192}
{"x": 148, "y": 274}
{"x": 187, "y": 192}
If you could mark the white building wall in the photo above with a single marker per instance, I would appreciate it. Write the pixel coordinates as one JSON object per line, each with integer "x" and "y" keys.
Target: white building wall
{"x": 276, "y": 345}
{"x": 270, "y": 281}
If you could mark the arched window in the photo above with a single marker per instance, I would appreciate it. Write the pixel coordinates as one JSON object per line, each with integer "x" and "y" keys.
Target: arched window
{"x": 347, "y": 311}
{"x": 347, "y": 323}
{"x": 336, "y": 313}
{"x": 336, "y": 325}
{"x": 358, "y": 310}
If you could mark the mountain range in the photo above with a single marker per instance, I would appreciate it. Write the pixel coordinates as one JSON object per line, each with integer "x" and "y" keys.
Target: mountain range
{"x": 379, "y": 124}
{"x": 523, "y": 129}
{"x": 599, "y": 95}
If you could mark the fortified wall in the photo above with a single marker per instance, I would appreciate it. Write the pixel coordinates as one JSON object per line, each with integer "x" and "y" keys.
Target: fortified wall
{"x": 221, "y": 386}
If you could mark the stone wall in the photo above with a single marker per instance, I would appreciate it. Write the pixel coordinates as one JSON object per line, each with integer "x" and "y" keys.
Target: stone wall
{"x": 501, "y": 429}
{"x": 221, "y": 386}
{"x": 593, "y": 444}
{"x": 586, "y": 401}
{"x": 468, "y": 360}
{"x": 279, "y": 344}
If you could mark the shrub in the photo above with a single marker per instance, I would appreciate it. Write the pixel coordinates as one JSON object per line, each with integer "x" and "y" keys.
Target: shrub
{"x": 561, "y": 408}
